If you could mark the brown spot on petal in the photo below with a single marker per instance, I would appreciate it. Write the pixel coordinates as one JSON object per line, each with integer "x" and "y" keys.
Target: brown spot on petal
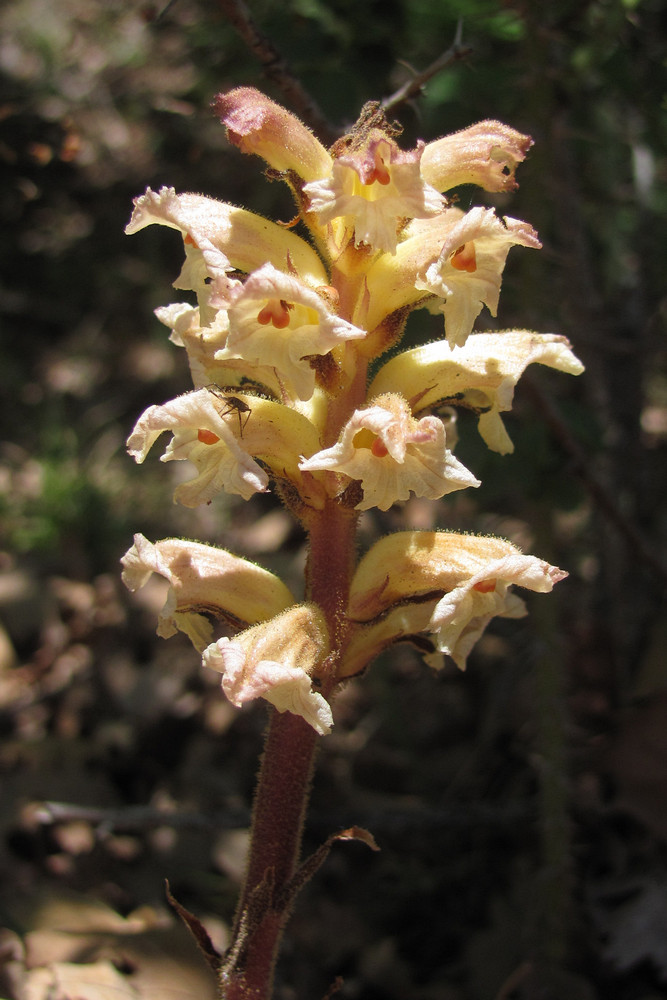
{"x": 484, "y": 586}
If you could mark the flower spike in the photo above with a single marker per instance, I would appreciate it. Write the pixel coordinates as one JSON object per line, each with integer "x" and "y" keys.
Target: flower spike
{"x": 283, "y": 343}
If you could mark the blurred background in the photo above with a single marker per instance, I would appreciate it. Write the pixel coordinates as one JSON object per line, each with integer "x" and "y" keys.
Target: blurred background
{"x": 521, "y": 807}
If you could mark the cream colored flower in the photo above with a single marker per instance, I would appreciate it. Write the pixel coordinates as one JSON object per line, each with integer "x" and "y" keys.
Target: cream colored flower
{"x": 452, "y": 263}
{"x": 375, "y": 189}
{"x": 480, "y": 376}
{"x": 205, "y": 435}
{"x": 211, "y": 364}
{"x": 277, "y": 321}
{"x": 204, "y": 580}
{"x": 468, "y": 271}
{"x": 275, "y": 660}
{"x": 256, "y": 124}
{"x": 440, "y": 583}
{"x": 393, "y": 455}
{"x": 462, "y": 615}
{"x": 486, "y": 154}
{"x": 225, "y": 236}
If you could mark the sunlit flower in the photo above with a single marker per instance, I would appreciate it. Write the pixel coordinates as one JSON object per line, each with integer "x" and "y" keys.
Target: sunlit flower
{"x": 277, "y": 321}
{"x": 225, "y": 236}
{"x": 393, "y": 454}
{"x": 462, "y": 615}
{"x": 256, "y": 124}
{"x": 440, "y": 583}
{"x": 204, "y": 580}
{"x": 468, "y": 271}
{"x": 205, "y": 435}
{"x": 219, "y": 432}
{"x": 480, "y": 376}
{"x": 486, "y": 154}
{"x": 375, "y": 188}
{"x": 453, "y": 263}
{"x": 275, "y": 660}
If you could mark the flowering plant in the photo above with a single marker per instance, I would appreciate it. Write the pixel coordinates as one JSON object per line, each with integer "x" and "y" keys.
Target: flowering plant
{"x": 279, "y": 346}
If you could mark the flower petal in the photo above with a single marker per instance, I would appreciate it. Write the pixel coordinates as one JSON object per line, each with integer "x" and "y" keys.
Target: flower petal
{"x": 219, "y": 433}
{"x": 461, "y": 615}
{"x": 455, "y": 257}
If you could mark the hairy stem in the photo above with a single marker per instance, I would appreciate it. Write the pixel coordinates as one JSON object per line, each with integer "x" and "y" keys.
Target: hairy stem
{"x": 284, "y": 784}
{"x": 280, "y": 804}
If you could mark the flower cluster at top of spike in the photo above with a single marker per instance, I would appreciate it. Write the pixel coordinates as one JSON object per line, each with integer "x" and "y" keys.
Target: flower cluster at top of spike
{"x": 279, "y": 344}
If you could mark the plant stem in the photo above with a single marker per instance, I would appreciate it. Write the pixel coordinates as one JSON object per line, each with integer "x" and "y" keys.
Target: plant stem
{"x": 284, "y": 783}
{"x": 280, "y": 804}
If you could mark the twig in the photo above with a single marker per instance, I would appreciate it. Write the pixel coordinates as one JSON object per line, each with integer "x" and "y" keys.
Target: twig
{"x": 392, "y": 820}
{"x": 581, "y": 465}
{"x": 133, "y": 818}
{"x": 277, "y": 70}
{"x": 412, "y": 88}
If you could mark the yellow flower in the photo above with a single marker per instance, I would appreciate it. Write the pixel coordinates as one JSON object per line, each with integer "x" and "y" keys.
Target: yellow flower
{"x": 205, "y": 436}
